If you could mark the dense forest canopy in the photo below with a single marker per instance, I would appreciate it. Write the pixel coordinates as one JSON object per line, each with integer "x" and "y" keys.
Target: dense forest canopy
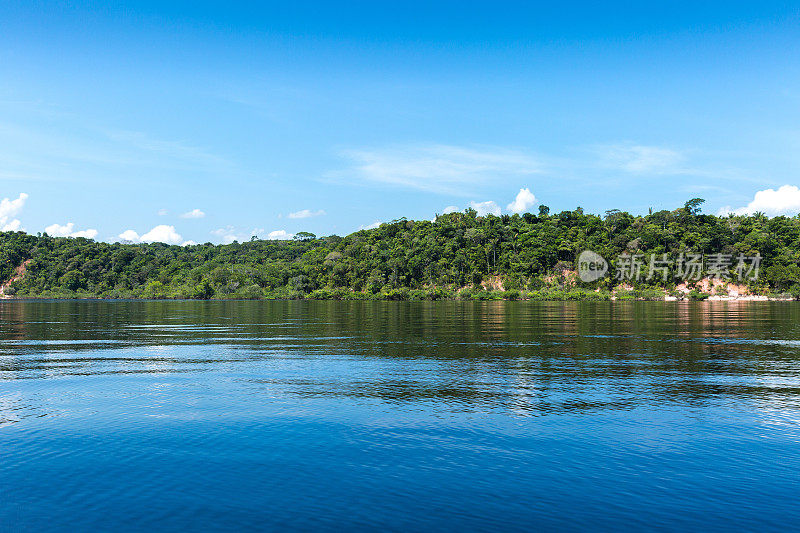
{"x": 526, "y": 254}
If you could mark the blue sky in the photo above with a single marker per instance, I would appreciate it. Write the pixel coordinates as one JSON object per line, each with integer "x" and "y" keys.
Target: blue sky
{"x": 209, "y": 122}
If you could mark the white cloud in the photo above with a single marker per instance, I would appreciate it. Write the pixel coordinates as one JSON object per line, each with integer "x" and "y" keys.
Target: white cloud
{"x": 447, "y": 210}
{"x": 14, "y": 225}
{"x": 279, "y": 235}
{"x": 374, "y": 225}
{"x": 784, "y": 201}
{"x": 88, "y": 233}
{"x": 228, "y": 234}
{"x": 129, "y": 236}
{"x": 8, "y": 210}
{"x": 486, "y": 208}
{"x": 306, "y": 213}
{"x": 639, "y": 159}
{"x": 437, "y": 168}
{"x": 188, "y": 243}
{"x": 524, "y": 201}
{"x": 68, "y": 230}
{"x": 161, "y": 233}
{"x": 194, "y": 213}
{"x": 162, "y": 212}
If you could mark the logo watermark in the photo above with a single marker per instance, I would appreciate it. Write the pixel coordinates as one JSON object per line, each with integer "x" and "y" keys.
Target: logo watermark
{"x": 686, "y": 266}
{"x": 591, "y": 266}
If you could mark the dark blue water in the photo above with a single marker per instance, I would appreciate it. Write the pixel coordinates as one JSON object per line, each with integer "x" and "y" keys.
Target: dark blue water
{"x": 212, "y": 416}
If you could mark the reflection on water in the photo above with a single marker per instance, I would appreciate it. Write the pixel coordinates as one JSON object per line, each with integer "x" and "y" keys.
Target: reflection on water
{"x": 128, "y": 415}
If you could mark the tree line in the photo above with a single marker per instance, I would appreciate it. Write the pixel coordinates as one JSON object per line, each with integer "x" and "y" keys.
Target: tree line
{"x": 458, "y": 255}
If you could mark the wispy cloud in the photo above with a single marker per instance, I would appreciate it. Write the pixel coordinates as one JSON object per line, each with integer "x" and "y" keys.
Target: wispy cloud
{"x": 180, "y": 153}
{"x": 306, "y": 213}
{"x": 65, "y": 149}
{"x": 640, "y": 159}
{"x": 194, "y": 213}
{"x": 442, "y": 169}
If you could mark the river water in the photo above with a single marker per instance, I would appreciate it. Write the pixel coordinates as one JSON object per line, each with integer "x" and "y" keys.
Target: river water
{"x": 219, "y": 416}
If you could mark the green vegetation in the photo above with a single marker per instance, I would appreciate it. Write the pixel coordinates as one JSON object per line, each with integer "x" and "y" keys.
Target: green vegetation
{"x": 694, "y": 294}
{"x": 460, "y": 255}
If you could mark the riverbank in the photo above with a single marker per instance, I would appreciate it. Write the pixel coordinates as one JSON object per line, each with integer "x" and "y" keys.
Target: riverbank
{"x": 556, "y": 295}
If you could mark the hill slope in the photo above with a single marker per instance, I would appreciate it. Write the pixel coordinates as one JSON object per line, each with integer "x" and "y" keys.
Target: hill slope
{"x": 401, "y": 259}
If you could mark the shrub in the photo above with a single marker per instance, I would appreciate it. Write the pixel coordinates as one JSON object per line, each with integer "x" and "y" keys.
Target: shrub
{"x": 794, "y": 290}
{"x": 696, "y": 295}
{"x": 650, "y": 294}
{"x": 417, "y": 295}
{"x": 465, "y": 294}
{"x": 395, "y": 294}
{"x": 440, "y": 294}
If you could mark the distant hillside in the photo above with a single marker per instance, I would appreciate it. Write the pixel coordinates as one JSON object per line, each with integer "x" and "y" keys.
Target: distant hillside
{"x": 458, "y": 255}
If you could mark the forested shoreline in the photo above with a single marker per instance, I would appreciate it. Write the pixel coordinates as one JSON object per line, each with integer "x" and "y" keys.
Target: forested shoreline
{"x": 458, "y": 255}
